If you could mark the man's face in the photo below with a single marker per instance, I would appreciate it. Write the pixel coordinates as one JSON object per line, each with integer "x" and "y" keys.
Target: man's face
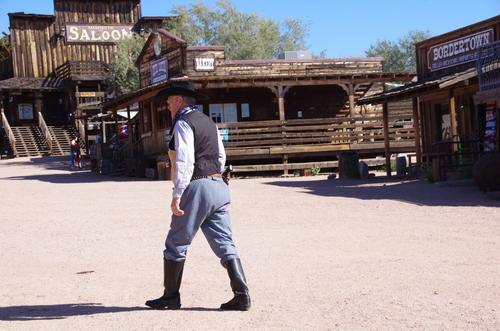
{"x": 174, "y": 103}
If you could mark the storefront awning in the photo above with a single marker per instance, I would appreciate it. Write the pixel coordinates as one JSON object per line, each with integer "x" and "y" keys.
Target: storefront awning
{"x": 415, "y": 89}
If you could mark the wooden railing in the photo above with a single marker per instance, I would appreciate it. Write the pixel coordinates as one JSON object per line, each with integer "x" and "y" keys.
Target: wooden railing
{"x": 312, "y": 135}
{"x": 81, "y": 129}
{"x": 10, "y": 134}
{"x": 45, "y": 130}
{"x": 82, "y": 70}
{"x": 257, "y": 139}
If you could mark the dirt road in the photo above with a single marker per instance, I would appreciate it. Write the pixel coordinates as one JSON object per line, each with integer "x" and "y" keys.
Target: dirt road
{"x": 81, "y": 251}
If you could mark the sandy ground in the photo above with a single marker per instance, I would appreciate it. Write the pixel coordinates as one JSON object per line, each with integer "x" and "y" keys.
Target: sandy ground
{"x": 82, "y": 251}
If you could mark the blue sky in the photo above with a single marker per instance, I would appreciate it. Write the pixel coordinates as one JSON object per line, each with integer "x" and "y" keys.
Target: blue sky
{"x": 341, "y": 28}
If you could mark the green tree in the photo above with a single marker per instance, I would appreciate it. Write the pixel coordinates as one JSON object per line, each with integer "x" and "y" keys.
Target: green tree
{"x": 246, "y": 36}
{"x": 123, "y": 74}
{"x": 4, "y": 48}
{"x": 399, "y": 55}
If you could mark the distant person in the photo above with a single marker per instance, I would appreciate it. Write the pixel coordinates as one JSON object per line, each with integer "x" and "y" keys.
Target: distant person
{"x": 76, "y": 155}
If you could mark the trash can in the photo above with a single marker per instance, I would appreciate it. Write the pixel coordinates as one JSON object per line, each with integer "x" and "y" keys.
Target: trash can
{"x": 400, "y": 165}
{"x": 348, "y": 164}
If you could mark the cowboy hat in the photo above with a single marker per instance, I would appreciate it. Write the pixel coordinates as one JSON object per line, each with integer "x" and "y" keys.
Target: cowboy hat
{"x": 180, "y": 88}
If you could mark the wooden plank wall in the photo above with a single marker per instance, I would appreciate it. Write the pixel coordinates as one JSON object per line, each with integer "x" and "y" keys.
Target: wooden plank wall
{"x": 171, "y": 49}
{"x": 285, "y": 68}
{"x": 38, "y": 49}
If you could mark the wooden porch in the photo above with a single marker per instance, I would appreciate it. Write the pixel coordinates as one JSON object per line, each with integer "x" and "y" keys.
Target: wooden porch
{"x": 285, "y": 145}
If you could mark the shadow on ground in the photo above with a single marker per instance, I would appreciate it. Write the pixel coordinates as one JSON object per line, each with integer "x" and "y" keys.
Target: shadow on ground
{"x": 67, "y": 175}
{"x": 51, "y": 312}
{"x": 61, "y": 311}
{"x": 417, "y": 192}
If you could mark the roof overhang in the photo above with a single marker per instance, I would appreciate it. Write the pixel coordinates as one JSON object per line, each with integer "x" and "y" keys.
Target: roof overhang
{"x": 33, "y": 84}
{"x": 419, "y": 87}
{"x": 208, "y": 82}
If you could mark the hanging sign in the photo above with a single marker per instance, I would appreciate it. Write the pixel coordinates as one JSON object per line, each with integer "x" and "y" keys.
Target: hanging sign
{"x": 123, "y": 131}
{"x": 159, "y": 71}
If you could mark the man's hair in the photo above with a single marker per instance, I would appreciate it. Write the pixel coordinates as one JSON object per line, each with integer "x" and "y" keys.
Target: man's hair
{"x": 189, "y": 100}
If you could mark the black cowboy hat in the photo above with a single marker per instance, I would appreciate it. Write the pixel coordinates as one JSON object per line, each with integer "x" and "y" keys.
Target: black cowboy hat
{"x": 180, "y": 88}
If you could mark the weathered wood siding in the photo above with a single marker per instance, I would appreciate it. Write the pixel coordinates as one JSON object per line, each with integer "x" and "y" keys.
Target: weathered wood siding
{"x": 168, "y": 46}
{"x": 38, "y": 48}
{"x": 286, "y": 68}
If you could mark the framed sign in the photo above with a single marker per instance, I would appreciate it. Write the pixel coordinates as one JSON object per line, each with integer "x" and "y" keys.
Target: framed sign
{"x": 159, "y": 71}
{"x": 25, "y": 111}
{"x": 96, "y": 33}
{"x": 204, "y": 64}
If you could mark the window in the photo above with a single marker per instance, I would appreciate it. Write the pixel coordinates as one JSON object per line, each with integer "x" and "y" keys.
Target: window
{"x": 223, "y": 112}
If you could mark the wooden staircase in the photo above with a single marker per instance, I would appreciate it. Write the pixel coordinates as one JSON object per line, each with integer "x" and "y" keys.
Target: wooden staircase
{"x": 61, "y": 139}
{"x": 30, "y": 141}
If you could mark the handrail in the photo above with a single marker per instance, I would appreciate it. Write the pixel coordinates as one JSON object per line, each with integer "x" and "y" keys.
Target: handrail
{"x": 298, "y": 135}
{"x": 10, "y": 133}
{"x": 124, "y": 152}
{"x": 473, "y": 154}
{"x": 81, "y": 129}
{"x": 45, "y": 130}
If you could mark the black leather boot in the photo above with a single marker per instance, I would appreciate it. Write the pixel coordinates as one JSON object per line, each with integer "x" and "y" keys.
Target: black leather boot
{"x": 172, "y": 277}
{"x": 241, "y": 300}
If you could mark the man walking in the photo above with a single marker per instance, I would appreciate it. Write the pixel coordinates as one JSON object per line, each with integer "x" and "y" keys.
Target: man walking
{"x": 200, "y": 197}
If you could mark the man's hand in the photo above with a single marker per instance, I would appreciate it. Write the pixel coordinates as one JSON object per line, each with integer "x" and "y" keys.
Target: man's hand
{"x": 176, "y": 210}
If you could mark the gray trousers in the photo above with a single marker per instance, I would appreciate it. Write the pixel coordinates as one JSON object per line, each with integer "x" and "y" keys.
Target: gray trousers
{"x": 204, "y": 203}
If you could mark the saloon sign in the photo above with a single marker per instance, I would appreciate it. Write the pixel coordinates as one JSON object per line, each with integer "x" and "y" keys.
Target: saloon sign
{"x": 458, "y": 51}
{"x": 95, "y": 33}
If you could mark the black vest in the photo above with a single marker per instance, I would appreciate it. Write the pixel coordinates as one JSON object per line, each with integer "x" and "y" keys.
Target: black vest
{"x": 206, "y": 144}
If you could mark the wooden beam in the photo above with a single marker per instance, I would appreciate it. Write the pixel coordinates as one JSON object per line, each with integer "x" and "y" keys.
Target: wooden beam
{"x": 386, "y": 139}
{"x": 416, "y": 131}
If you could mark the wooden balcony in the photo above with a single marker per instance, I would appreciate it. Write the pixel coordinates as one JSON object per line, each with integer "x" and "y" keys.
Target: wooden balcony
{"x": 83, "y": 70}
{"x": 488, "y": 66}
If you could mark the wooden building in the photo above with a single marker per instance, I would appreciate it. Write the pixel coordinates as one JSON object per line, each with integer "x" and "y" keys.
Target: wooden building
{"x": 283, "y": 114}
{"x": 456, "y": 97}
{"x": 56, "y": 67}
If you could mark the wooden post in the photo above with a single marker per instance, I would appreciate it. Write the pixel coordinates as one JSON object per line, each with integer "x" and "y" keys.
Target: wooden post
{"x": 280, "y": 92}
{"x": 130, "y": 141}
{"x": 416, "y": 130}
{"x": 350, "y": 89}
{"x": 453, "y": 120}
{"x": 386, "y": 139}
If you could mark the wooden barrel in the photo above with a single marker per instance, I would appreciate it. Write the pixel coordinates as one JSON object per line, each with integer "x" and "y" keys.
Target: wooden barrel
{"x": 486, "y": 172}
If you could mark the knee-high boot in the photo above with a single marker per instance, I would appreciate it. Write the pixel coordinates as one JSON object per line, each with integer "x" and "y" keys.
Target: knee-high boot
{"x": 172, "y": 277}
{"x": 241, "y": 300}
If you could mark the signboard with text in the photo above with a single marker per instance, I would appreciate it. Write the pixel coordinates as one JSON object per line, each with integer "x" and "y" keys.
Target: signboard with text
{"x": 159, "y": 71}
{"x": 457, "y": 51}
{"x": 96, "y": 33}
{"x": 204, "y": 64}
{"x": 25, "y": 111}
